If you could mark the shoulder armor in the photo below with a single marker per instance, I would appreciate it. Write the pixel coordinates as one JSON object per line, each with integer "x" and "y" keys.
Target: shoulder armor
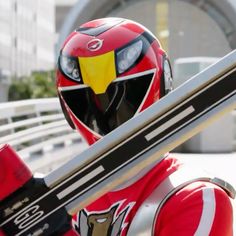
{"x": 143, "y": 222}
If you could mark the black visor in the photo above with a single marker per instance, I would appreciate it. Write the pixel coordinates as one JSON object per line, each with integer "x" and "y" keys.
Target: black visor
{"x": 104, "y": 112}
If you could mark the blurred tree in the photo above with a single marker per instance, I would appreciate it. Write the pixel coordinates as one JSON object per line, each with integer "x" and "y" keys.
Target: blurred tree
{"x": 37, "y": 85}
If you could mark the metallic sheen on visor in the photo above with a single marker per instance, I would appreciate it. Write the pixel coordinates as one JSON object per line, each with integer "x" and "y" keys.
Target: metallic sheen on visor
{"x": 104, "y": 112}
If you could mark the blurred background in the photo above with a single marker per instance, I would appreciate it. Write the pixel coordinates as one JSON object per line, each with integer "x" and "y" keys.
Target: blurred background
{"x": 33, "y": 31}
{"x": 195, "y": 34}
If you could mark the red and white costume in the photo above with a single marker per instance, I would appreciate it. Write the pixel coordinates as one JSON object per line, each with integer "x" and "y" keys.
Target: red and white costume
{"x": 200, "y": 208}
{"x": 143, "y": 205}
{"x": 108, "y": 71}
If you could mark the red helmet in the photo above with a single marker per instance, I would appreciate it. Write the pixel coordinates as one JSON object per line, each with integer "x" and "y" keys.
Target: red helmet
{"x": 108, "y": 71}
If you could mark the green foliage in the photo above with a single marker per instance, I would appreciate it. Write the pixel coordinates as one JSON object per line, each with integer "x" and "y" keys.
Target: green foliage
{"x": 37, "y": 85}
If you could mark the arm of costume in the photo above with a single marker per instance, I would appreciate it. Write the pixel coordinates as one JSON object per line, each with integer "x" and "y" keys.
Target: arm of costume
{"x": 200, "y": 208}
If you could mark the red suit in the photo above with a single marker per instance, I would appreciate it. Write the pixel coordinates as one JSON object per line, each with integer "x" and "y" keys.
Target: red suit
{"x": 196, "y": 209}
{"x": 146, "y": 203}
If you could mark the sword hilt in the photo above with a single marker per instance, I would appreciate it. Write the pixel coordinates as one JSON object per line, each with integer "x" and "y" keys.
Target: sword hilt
{"x": 19, "y": 189}
{"x": 14, "y": 173}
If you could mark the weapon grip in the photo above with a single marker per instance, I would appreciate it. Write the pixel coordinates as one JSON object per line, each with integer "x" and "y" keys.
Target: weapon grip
{"x": 70, "y": 232}
{"x": 1, "y": 233}
{"x": 13, "y": 171}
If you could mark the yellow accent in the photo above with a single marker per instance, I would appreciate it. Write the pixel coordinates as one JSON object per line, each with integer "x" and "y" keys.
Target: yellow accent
{"x": 162, "y": 28}
{"x": 98, "y": 71}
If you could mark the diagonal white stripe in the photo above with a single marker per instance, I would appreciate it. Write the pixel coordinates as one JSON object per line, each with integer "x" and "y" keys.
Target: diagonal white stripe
{"x": 78, "y": 183}
{"x": 169, "y": 123}
{"x": 208, "y": 212}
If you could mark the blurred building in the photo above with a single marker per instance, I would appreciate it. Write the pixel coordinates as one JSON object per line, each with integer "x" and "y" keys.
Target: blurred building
{"x": 185, "y": 27}
{"x": 62, "y": 8}
{"x": 27, "y": 38}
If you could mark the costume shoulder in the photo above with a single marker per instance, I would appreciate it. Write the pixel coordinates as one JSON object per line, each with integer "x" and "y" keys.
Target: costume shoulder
{"x": 199, "y": 208}
{"x": 182, "y": 201}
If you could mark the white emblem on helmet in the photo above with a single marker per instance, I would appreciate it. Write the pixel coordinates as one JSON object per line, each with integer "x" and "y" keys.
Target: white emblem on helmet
{"x": 94, "y": 44}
